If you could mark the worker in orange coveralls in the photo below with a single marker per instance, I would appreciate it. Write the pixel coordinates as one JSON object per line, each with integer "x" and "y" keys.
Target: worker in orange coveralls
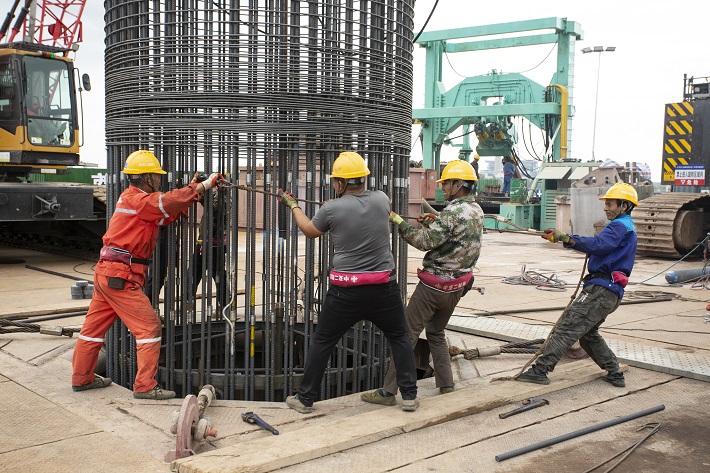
{"x": 119, "y": 276}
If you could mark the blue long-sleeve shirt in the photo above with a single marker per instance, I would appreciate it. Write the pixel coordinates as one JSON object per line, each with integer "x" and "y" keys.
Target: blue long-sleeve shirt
{"x": 614, "y": 249}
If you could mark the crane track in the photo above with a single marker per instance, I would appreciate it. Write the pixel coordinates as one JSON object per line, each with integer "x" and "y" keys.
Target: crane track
{"x": 671, "y": 224}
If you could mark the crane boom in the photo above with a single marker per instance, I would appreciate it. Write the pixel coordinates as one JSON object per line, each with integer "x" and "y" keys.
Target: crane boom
{"x": 57, "y": 23}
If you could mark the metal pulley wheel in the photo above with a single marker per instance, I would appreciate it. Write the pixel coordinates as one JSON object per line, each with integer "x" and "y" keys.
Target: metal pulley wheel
{"x": 186, "y": 423}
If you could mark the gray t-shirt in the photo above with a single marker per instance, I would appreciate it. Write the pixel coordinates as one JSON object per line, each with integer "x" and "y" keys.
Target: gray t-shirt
{"x": 359, "y": 228}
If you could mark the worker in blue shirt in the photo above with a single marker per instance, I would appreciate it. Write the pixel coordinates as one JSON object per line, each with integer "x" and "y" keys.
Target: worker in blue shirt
{"x": 611, "y": 258}
{"x": 508, "y": 173}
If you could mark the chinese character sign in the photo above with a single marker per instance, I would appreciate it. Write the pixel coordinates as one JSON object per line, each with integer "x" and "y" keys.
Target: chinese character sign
{"x": 690, "y": 175}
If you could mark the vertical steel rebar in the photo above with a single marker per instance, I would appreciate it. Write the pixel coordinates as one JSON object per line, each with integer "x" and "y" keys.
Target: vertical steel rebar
{"x": 268, "y": 92}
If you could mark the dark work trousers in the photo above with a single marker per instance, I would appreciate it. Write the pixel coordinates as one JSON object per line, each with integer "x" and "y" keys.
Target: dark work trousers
{"x": 429, "y": 310}
{"x": 160, "y": 270}
{"x": 219, "y": 273}
{"x": 381, "y": 304}
{"x": 581, "y": 322}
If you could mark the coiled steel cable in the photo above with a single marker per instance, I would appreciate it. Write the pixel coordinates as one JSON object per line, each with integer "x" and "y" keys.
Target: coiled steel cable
{"x": 13, "y": 326}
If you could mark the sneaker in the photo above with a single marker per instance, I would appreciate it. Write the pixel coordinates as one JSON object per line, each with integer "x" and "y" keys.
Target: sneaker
{"x": 616, "y": 378}
{"x": 98, "y": 382}
{"x": 409, "y": 405}
{"x": 446, "y": 390}
{"x": 294, "y": 403}
{"x": 533, "y": 375}
{"x": 376, "y": 397}
{"x": 157, "y": 394}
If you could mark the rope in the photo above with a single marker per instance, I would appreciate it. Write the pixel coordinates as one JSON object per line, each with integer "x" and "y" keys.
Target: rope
{"x": 504, "y": 220}
{"x": 523, "y": 347}
{"x": 542, "y": 348}
{"x": 259, "y": 191}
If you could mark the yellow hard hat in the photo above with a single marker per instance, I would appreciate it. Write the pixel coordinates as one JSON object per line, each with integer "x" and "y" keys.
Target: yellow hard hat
{"x": 459, "y": 170}
{"x": 622, "y": 191}
{"x": 142, "y": 162}
{"x": 349, "y": 165}
{"x": 476, "y": 157}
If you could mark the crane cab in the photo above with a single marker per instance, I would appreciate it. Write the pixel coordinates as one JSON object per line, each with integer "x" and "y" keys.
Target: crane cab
{"x": 38, "y": 112}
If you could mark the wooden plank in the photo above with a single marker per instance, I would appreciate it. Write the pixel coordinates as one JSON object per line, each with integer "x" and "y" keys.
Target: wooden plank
{"x": 296, "y": 446}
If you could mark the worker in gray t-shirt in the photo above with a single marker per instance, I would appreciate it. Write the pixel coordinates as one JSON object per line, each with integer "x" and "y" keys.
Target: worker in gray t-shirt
{"x": 362, "y": 282}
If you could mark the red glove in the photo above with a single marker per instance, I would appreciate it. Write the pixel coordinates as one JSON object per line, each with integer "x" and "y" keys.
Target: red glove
{"x": 426, "y": 219}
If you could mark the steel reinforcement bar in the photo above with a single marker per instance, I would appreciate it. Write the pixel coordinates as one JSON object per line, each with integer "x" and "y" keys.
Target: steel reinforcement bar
{"x": 267, "y": 93}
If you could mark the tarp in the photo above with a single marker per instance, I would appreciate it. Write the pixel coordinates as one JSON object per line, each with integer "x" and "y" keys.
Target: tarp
{"x": 642, "y": 168}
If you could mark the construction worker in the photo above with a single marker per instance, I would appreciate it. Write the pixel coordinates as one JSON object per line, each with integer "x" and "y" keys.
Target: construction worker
{"x": 611, "y": 258}
{"x": 120, "y": 274}
{"x": 474, "y": 164}
{"x": 218, "y": 244}
{"x": 363, "y": 285}
{"x": 508, "y": 173}
{"x": 453, "y": 243}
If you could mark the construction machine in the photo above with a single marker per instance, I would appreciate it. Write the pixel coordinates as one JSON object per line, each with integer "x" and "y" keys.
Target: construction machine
{"x": 40, "y": 129}
{"x": 671, "y": 224}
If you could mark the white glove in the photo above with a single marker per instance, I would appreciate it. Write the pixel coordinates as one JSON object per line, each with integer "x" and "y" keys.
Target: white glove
{"x": 214, "y": 180}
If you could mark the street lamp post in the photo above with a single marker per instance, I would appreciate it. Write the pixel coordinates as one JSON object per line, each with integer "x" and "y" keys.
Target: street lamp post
{"x": 599, "y": 50}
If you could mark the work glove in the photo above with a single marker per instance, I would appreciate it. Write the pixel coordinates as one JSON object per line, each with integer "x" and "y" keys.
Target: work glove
{"x": 287, "y": 199}
{"x": 426, "y": 219}
{"x": 213, "y": 180}
{"x": 199, "y": 177}
{"x": 553, "y": 235}
{"x": 396, "y": 219}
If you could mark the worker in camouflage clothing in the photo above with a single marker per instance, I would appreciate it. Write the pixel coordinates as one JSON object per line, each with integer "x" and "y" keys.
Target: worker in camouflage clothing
{"x": 453, "y": 243}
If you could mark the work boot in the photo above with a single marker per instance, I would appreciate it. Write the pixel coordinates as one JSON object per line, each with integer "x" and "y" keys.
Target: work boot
{"x": 446, "y": 390}
{"x": 379, "y": 396}
{"x": 409, "y": 405}
{"x": 157, "y": 394}
{"x": 98, "y": 382}
{"x": 616, "y": 378}
{"x": 294, "y": 403}
{"x": 534, "y": 375}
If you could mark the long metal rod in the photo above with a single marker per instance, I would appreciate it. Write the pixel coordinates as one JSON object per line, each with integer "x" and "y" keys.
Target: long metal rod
{"x": 577, "y": 433}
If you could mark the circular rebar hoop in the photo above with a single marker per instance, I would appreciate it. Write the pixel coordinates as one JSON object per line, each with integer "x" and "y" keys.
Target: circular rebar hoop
{"x": 267, "y": 93}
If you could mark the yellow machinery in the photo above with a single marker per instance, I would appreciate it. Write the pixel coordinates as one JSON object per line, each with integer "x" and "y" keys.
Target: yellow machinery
{"x": 39, "y": 126}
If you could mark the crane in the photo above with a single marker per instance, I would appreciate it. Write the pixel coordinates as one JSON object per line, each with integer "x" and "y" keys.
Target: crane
{"x": 40, "y": 117}
{"x": 58, "y": 24}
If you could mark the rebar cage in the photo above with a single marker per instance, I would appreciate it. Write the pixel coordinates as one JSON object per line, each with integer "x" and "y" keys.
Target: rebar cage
{"x": 267, "y": 93}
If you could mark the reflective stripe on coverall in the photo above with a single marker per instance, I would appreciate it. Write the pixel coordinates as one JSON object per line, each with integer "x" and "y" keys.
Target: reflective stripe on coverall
{"x": 134, "y": 228}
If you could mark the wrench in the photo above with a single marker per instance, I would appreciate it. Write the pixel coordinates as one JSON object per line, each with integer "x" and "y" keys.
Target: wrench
{"x": 528, "y": 404}
{"x": 251, "y": 418}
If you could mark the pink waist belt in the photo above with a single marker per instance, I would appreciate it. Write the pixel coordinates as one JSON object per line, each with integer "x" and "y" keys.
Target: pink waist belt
{"x": 444, "y": 285}
{"x": 117, "y": 255}
{"x": 343, "y": 279}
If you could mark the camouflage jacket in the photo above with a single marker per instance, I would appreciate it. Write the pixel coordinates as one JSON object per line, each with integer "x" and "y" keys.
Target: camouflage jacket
{"x": 452, "y": 241}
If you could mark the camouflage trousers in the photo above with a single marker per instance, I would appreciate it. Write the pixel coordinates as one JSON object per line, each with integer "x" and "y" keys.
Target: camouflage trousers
{"x": 581, "y": 322}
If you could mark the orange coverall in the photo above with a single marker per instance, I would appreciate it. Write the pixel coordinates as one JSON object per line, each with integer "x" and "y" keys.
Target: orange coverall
{"x": 134, "y": 228}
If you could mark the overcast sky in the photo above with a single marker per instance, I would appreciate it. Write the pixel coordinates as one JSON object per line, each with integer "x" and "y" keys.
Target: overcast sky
{"x": 656, "y": 44}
